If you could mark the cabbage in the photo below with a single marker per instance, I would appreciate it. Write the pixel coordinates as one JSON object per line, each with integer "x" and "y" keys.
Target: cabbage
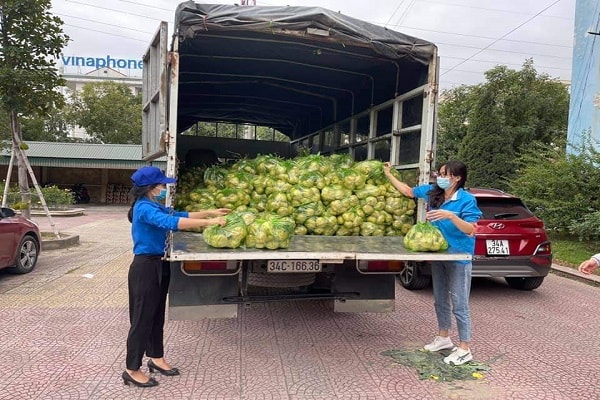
{"x": 232, "y": 235}
{"x": 270, "y": 231}
{"x": 424, "y": 236}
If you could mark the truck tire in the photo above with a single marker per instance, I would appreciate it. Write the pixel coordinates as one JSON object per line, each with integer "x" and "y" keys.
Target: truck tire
{"x": 411, "y": 278}
{"x": 525, "y": 283}
{"x": 264, "y": 279}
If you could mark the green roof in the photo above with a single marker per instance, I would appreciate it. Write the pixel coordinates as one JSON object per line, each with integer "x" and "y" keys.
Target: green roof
{"x": 84, "y": 155}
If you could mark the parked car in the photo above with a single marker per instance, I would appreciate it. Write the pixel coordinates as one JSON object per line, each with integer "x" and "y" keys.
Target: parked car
{"x": 20, "y": 242}
{"x": 510, "y": 243}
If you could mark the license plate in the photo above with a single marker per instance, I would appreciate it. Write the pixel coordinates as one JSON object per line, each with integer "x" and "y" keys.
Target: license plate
{"x": 497, "y": 247}
{"x": 283, "y": 266}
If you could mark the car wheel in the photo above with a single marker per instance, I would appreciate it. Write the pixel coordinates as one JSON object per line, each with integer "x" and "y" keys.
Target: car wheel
{"x": 411, "y": 278}
{"x": 27, "y": 256}
{"x": 528, "y": 283}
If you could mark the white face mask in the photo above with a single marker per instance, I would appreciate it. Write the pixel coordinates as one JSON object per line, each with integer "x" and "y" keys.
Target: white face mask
{"x": 443, "y": 183}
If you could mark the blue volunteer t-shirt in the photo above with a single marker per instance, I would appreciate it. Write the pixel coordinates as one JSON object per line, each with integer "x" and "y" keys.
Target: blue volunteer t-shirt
{"x": 150, "y": 224}
{"x": 464, "y": 205}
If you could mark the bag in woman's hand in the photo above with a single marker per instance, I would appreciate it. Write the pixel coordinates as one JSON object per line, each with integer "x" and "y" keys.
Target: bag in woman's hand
{"x": 424, "y": 236}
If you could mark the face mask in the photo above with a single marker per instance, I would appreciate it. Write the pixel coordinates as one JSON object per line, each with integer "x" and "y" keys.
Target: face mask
{"x": 161, "y": 196}
{"x": 443, "y": 183}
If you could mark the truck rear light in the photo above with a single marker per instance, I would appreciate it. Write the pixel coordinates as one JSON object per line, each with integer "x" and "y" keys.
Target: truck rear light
{"x": 381, "y": 266}
{"x": 196, "y": 266}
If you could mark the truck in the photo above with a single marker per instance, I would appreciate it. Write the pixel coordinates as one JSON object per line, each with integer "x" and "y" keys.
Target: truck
{"x": 327, "y": 82}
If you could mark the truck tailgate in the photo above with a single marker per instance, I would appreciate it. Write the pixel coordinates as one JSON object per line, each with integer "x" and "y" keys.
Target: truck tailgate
{"x": 189, "y": 246}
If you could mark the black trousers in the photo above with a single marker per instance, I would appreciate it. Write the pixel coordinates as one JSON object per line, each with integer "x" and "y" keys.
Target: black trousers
{"x": 148, "y": 283}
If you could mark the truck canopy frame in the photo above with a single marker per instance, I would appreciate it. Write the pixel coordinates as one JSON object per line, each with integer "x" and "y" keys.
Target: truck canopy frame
{"x": 326, "y": 67}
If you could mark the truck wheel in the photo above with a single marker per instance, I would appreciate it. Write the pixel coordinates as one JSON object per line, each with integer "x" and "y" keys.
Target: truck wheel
{"x": 264, "y": 279}
{"x": 526, "y": 283}
{"x": 411, "y": 278}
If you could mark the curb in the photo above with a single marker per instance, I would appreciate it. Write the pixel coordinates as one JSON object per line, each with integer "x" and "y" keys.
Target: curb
{"x": 66, "y": 240}
{"x": 574, "y": 272}
{"x": 73, "y": 212}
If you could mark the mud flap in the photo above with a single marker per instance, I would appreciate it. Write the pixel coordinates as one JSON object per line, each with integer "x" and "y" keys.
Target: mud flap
{"x": 376, "y": 292}
{"x": 193, "y": 298}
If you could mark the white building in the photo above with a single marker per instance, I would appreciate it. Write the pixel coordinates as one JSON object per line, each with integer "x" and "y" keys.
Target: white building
{"x": 75, "y": 82}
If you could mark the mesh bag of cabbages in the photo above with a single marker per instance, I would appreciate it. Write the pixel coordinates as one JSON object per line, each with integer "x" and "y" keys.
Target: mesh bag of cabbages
{"x": 251, "y": 230}
{"x": 424, "y": 236}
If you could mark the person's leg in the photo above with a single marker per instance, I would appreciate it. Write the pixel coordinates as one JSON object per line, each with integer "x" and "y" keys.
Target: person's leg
{"x": 144, "y": 298}
{"x": 439, "y": 278}
{"x": 442, "y": 308}
{"x": 460, "y": 289}
{"x": 155, "y": 349}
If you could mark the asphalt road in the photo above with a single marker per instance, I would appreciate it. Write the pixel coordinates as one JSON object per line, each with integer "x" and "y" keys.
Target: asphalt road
{"x": 63, "y": 329}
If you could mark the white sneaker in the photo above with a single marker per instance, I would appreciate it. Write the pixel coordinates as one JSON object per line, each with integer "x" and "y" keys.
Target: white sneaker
{"x": 459, "y": 357}
{"x": 439, "y": 343}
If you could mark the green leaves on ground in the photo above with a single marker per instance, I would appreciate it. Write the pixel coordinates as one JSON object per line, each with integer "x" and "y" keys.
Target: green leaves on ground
{"x": 431, "y": 365}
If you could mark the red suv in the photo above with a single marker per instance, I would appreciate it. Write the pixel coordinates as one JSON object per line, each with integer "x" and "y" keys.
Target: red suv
{"x": 510, "y": 243}
{"x": 20, "y": 242}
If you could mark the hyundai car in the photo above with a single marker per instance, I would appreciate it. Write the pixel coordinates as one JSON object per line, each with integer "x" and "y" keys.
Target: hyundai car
{"x": 510, "y": 243}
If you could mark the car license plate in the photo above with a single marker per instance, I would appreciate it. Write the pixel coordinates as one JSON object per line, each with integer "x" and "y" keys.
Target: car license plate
{"x": 283, "y": 266}
{"x": 497, "y": 247}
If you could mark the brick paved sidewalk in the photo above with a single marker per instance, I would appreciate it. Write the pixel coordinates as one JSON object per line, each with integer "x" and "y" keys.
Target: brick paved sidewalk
{"x": 63, "y": 330}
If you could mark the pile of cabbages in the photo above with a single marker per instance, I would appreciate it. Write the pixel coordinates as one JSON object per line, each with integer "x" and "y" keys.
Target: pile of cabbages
{"x": 273, "y": 199}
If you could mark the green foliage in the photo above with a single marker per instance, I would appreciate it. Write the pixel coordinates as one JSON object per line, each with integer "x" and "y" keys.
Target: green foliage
{"x": 30, "y": 38}
{"x": 560, "y": 188}
{"x": 570, "y": 252}
{"x": 487, "y": 126}
{"x": 239, "y": 131}
{"x": 430, "y": 365}
{"x": 109, "y": 112}
{"x": 588, "y": 228}
{"x": 487, "y": 149}
{"x": 55, "y": 197}
{"x": 51, "y": 127}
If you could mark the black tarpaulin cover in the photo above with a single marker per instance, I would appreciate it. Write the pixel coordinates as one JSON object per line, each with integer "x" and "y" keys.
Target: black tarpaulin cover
{"x": 296, "y": 69}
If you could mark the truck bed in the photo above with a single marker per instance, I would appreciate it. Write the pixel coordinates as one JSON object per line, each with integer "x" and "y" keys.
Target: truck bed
{"x": 189, "y": 246}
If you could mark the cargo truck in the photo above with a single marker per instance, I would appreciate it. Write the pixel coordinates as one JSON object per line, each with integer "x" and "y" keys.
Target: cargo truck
{"x": 326, "y": 81}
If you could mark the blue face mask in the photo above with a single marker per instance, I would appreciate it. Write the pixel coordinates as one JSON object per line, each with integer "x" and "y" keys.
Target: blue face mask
{"x": 161, "y": 196}
{"x": 443, "y": 183}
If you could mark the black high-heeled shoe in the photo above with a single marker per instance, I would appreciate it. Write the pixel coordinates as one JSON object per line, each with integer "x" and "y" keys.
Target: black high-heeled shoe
{"x": 167, "y": 372}
{"x": 127, "y": 378}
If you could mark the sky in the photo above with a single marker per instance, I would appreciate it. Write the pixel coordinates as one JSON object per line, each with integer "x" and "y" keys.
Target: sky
{"x": 472, "y": 36}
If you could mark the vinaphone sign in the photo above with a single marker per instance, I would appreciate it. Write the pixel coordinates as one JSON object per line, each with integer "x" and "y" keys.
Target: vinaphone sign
{"x": 101, "y": 62}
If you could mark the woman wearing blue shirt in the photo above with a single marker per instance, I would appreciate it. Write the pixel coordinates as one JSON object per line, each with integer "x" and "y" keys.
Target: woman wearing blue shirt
{"x": 149, "y": 275}
{"x": 454, "y": 211}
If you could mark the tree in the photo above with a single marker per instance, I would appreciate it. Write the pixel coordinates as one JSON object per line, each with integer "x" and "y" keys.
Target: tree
{"x": 453, "y": 120}
{"x": 490, "y": 124}
{"x": 51, "y": 128}
{"x": 108, "y": 112}
{"x": 562, "y": 189}
{"x": 31, "y": 39}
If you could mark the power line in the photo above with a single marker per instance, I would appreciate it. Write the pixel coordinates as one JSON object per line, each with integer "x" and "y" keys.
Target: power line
{"x": 506, "y": 34}
{"x": 488, "y": 9}
{"x": 481, "y": 37}
{"x": 117, "y": 11}
{"x": 107, "y": 33}
{"x": 500, "y": 63}
{"x": 394, "y": 13}
{"x": 103, "y": 23}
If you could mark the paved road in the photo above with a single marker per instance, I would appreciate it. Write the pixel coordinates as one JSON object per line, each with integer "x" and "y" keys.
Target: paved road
{"x": 63, "y": 329}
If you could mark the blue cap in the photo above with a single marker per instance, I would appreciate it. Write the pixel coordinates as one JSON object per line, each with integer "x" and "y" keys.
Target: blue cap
{"x": 150, "y": 176}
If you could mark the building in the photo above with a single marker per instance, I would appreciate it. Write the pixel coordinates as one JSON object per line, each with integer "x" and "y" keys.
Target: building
{"x": 75, "y": 82}
{"x": 104, "y": 169}
{"x": 584, "y": 109}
